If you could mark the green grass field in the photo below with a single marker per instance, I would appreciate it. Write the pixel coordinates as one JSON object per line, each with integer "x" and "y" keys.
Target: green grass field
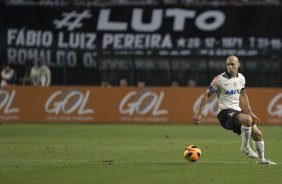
{"x": 131, "y": 154}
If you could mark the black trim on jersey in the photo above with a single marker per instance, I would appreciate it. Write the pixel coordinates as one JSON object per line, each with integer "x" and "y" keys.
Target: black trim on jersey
{"x": 225, "y": 76}
{"x": 229, "y": 76}
{"x": 211, "y": 89}
{"x": 243, "y": 89}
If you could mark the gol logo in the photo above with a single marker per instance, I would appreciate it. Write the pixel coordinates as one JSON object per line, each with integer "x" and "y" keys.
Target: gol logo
{"x": 6, "y": 100}
{"x": 67, "y": 102}
{"x": 142, "y": 103}
{"x": 210, "y": 107}
{"x": 274, "y": 108}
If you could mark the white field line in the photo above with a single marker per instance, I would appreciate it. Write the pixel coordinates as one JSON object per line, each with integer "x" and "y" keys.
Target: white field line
{"x": 129, "y": 162}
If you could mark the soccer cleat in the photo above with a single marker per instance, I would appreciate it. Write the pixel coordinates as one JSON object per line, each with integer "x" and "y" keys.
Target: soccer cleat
{"x": 249, "y": 152}
{"x": 265, "y": 161}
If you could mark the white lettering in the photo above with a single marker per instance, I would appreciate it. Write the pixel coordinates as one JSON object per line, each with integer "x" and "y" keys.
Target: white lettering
{"x": 180, "y": 16}
{"x": 142, "y": 104}
{"x": 274, "y": 108}
{"x": 202, "y": 20}
{"x": 68, "y": 102}
{"x": 90, "y": 40}
{"x": 11, "y": 36}
{"x": 106, "y": 25}
{"x": 207, "y": 21}
{"x": 89, "y": 60}
{"x": 66, "y": 58}
{"x": 30, "y": 38}
{"x": 107, "y": 40}
{"x": 7, "y": 101}
{"x": 138, "y": 41}
{"x": 22, "y": 56}
{"x": 61, "y": 43}
{"x": 154, "y": 25}
{"x": 77, "y": 40}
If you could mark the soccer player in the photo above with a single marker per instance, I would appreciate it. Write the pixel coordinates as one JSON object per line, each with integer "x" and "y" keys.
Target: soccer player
{"x": 229, "y": 87}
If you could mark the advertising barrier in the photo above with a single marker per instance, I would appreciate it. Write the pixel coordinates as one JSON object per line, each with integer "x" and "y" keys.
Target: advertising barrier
{"x": 124, "y": 105}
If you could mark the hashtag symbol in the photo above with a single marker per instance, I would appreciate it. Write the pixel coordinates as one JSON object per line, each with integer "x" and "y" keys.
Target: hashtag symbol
{"x": 72, "y": 20}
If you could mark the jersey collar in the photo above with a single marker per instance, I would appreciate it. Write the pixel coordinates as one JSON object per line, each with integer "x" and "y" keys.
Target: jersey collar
{"x": 229, "y": 76}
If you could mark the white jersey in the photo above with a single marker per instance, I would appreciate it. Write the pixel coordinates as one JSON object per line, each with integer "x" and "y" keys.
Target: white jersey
{"x": 228, "y": 90}
{"x": 40, "y": 75}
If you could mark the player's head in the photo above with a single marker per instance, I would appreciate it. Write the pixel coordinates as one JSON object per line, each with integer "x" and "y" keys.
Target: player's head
{"x": 40, "y": 61}
{"x": 232, "y": 65}
{"x": 6, "y": 67}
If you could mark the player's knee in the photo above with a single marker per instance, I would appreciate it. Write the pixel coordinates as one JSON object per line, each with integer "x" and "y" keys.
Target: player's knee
{"x": 257, "y": 136}
{"x": 248, "y": 121}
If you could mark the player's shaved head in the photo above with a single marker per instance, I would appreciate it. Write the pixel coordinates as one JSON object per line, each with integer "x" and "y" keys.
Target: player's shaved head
{"x": 232, "y": 58}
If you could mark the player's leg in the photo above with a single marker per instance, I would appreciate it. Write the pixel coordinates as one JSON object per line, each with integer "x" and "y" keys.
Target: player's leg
{"x": 259, "y": 146}
{"x": 246, "y": 130}
{"x": 258, "y": 141}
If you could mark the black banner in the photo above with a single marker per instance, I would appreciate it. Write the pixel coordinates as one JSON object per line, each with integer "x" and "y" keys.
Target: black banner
{"x": 73, "y": 37}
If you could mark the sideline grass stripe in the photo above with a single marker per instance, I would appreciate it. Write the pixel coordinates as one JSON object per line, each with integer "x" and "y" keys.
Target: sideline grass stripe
{"x": 131, "y": 162}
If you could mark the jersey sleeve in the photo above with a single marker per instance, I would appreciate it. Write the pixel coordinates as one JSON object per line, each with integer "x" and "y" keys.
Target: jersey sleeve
{"x": 243, "y": 82}
{"x": 213, "y": 87}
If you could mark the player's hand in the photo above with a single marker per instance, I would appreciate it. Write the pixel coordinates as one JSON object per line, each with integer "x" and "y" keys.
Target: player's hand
{"x": 255, "y": 118}
{"x": 196, "y": 119}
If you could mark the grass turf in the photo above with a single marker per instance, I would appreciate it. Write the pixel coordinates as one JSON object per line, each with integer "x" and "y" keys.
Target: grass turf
{"x": 130, "y": 154}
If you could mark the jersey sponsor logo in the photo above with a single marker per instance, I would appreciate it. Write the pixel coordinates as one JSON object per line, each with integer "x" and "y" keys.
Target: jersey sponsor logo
{"x": 232, "y": 92}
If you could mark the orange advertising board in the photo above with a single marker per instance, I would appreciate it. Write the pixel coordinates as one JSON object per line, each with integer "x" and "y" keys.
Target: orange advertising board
{"x": 119, "y": 105}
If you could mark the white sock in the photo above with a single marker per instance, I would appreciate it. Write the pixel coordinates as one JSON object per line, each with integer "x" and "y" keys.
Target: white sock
{"x": 246, "y": 134}
{"x": 259, "y": 147}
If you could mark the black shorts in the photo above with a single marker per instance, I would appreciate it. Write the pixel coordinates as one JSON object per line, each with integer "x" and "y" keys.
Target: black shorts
{"x": 226, "y": 118}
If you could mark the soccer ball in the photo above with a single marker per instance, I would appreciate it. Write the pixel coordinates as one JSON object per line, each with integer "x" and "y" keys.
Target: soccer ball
{"x": 192, "y": 153}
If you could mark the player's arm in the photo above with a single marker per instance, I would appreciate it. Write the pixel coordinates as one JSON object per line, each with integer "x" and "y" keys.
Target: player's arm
{"x": 7, "y": 75}
{"x": 246, "y": 105}
{"x": 197, "y": 117}
{"x": 210, "y": 91}
{"x": 48, "y": 75}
